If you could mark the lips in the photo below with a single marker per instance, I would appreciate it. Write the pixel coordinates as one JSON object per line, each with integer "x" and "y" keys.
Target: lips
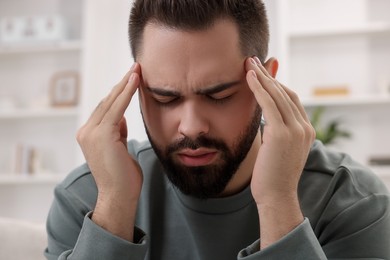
{"x": 198, "y": 157}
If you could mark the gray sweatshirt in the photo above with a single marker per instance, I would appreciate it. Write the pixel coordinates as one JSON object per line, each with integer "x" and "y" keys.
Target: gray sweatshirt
{"x": 346, "y": 209}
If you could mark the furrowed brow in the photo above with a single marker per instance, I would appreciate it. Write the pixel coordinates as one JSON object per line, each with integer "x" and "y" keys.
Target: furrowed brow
{"x": 163, "y": 92}
{"x": 217, "y": 88}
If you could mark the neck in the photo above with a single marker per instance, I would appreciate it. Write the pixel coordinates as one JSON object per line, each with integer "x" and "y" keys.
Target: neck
{"x": 242, "y": 177}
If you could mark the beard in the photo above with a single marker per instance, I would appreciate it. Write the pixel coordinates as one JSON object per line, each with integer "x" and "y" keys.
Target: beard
{"x": 207, "y": 181}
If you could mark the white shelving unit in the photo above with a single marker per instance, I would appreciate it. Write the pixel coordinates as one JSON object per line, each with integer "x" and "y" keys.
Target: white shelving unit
{"x": 26, "y": 69}
{"x": 26, "y": 116}
{"x": 310, "y": 39}
{"x": 341, "y": 31}
{"x": 342, "y": 101}
{"x": 18, "y": 114}
{"x": 49, "y": 178}
{"x": 63, "y": 46}
{"x": 319, "y": 45}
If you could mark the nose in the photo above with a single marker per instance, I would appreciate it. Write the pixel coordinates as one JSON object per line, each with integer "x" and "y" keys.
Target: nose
{"x": 193, "y": 121}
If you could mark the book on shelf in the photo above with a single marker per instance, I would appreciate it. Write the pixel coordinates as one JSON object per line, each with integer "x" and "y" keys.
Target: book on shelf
{"x": 380, "y": 161}
{"x": 26, "y": 159}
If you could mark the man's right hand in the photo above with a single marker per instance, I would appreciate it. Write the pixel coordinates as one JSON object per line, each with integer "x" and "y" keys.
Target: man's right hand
{"x": 103, "y": 140}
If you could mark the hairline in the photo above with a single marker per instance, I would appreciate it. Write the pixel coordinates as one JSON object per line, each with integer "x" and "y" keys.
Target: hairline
{"x": 155, "y": 21}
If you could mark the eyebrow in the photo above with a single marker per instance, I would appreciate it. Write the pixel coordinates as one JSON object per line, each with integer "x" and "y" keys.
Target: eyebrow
{"x": 164, "y": 92}
{"x": 218, "y": 88}
{"x": 208, "y": 91}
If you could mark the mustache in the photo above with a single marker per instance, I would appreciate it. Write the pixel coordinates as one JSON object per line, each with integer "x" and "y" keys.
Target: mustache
{"x": 201, "y": 141}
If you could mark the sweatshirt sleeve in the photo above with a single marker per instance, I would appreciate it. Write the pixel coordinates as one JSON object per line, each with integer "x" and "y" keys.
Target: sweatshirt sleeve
{"x": 300, "y": 243}
{"x": 362, "y": 231}
{"x": 73, "y": 235}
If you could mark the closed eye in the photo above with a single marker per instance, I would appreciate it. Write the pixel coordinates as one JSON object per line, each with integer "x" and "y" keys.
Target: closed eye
{"x": 221, "y": 93}
{"x": 164, "y": 97}
{"x": 219, "y": 99}
{"x": 165, "y": 100}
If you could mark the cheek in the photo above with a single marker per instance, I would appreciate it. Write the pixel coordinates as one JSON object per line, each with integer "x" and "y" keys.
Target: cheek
{"x": 231, "y": 121}
{"x": 238, "y": 115}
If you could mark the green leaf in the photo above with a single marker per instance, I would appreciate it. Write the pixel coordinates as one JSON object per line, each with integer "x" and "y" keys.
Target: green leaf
{"x": 327, "y": 134}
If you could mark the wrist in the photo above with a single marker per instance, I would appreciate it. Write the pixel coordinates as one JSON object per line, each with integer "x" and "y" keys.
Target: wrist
{"x": 280, "y": 205}
{"x": 116, "y": 214}
{"x": 276, "y": 196}
{"x": 278, "y": 215}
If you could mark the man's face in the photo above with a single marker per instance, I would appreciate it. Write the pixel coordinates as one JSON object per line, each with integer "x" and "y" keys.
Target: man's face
{"x": 199, "y": 113}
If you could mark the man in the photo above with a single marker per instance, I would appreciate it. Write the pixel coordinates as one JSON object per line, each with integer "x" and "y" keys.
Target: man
{"x": 209, "y": 184}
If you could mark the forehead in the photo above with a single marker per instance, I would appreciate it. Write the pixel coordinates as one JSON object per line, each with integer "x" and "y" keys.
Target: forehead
{"x": 175, "y": 58}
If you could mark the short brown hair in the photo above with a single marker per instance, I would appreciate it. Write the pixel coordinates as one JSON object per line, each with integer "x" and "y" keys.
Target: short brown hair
{"x": 249, "y": 15}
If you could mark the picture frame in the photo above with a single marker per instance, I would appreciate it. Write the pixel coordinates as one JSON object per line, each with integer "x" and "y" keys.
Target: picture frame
{"x": 64, "y": 89}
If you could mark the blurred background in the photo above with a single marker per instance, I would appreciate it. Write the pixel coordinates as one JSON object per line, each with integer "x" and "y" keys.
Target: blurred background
{"x": 59, "y": 58}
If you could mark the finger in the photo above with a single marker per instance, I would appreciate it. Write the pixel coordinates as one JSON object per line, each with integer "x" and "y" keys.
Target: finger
{"x": 271, "y": 86}
{"x": 288, "y": 94}
{"x": 306, "y": 120}
{"x": 104, "y": 105}
{"x": 297, "y": 115}
{"x": 115, "y": 113}
{"x": 99, "y": 112}
{"x": 299, "y": 120}
{"x": 264, "y": 99}
{"x": 295, "y": 99}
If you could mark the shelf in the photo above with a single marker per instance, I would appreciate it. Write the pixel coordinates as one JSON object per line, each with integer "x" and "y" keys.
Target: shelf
{"x": 38, "y": 113}
{"x": 13, "y": 179}
{"x": 345, "y": 101}
{"x": 374, "y": 28}
{"x": 383, "y": 172}
{"x": 74, "y": 45}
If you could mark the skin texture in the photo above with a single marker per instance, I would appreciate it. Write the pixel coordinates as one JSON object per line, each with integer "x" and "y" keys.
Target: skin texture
{"x": 186, "y": 65}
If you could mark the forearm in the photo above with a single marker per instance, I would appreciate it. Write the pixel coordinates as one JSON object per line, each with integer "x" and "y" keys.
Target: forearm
{"x": 73, "y": 235}
{"x": 117, "y": 174}
{"x": 278, "y": 216}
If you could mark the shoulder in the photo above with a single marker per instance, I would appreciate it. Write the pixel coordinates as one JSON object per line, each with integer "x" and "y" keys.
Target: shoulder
{"x": 139, "y": 148}
{"x": 333, "y": 183}
{"x": 80, "y": 184}
{"x": 144, "y": 154}
{"x": 344, "y": 201}
{"x": 327, "y": 167}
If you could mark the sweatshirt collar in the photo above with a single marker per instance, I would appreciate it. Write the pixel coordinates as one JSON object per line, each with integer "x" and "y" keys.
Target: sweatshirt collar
{"x": 222, "y": 205}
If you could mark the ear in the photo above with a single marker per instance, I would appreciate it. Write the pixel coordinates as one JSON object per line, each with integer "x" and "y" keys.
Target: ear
{"x": 272, "y": 66}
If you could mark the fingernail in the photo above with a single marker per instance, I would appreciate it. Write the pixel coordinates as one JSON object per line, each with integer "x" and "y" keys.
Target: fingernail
{"x": 132, "y": 77}
{"x": 253, "y": 74}
{"x": 253, "y": 61}
{"x": 257, "y": 60}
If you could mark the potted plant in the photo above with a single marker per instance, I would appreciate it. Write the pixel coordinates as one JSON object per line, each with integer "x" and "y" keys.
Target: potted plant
{"x": 328, "y": 133}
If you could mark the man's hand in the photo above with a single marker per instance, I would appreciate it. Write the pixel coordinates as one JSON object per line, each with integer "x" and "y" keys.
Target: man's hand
{"x": 286, "y": 141}
{"x": 103, "y": 140}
